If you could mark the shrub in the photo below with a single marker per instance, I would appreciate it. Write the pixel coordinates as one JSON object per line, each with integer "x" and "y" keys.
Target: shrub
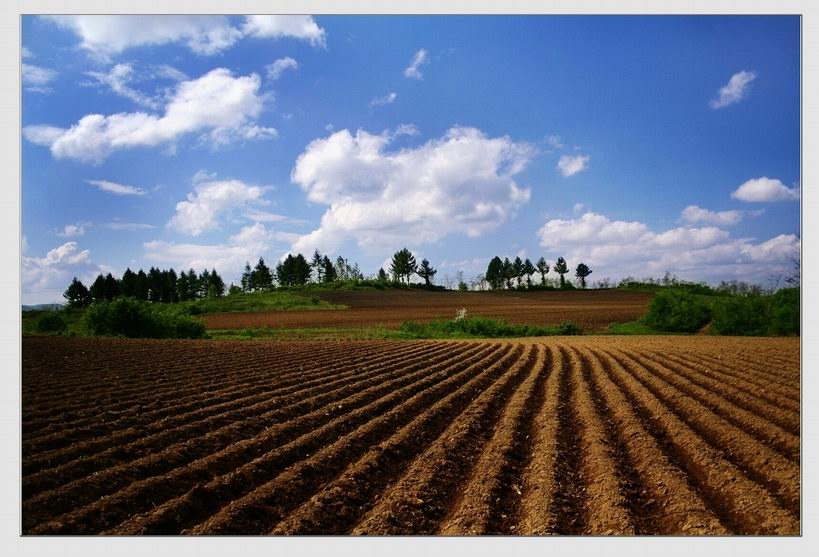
{"x": 742, "y": 315}
{"x": 50, "y": 322}
{"x": 784, "y": 308}
{"x": 482, "y": 327}
{"x": 133, "y": 318}
{"x": 676, "y": 311}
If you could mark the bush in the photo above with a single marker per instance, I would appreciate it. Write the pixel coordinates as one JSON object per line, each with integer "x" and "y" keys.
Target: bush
{"x": 742, "y": 315}
{"x": 482, "y": 327}
{"x": 676, "y": 311}
{"x": 133, "y": 318}
{"x": 50, "y": 322}
{"x": 785, "y": 312}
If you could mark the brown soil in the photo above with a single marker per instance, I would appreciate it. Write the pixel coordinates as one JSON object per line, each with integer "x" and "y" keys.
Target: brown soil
{"x": 590, "y": 309}
{"x": 561, "y": 435}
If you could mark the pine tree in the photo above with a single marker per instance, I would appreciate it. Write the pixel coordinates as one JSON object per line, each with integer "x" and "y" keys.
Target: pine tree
{"x": 329, "y": 270}
{"x": 77, "y": 294}
{"x": 528, "y": 270}
{"x": 383, "y": 277}
{"x": 317, "y": 264}
{"x": 426, "y": 272}
{"x": 508, "y": 272}
{"x": 261, "y": 278}
{"x": 128, "y": 283}
{"x": 561, "y": 268}
{"x": 403, "y": 264}
{"x": 193, "y": 284}
{"x": 155, "y": 284}
{"x": 494, "y": 273}
{"x": 517, "y": 269}
{"x": 111, "y": 287}
{"x": 582, "y": 272}
{"x": 97, "y": 289}
{"x": 142, "y": 286}
{"x": 542, "y": 268}
{"x": 247, "y": 278}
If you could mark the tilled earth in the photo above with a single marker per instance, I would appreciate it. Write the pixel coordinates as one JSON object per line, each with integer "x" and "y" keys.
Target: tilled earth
{"x": 592, "y": 310}
{"x": 564, "y": 435}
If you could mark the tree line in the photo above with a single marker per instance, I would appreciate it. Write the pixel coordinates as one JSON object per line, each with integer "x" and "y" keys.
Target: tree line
{"x": 509, "y": 274}
{"x": 165, "y": 286}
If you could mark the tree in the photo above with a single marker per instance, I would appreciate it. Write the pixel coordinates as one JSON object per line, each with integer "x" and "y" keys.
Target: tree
{"x": 542, "y": 268}
{"x": 233, "y": 290}
{"x": 383, "y": 277}
{"x": 142, "y": 286}
{"x": 508, "y": 272}
{"x": 293, "y": 270}
{"x": 247, "y": 277}
{"x": 77, "y": 294}
{"x": 329, "y": 270}
{"x": 183, "y": 289}
{"x": 517, "y": 269}
{"x": 193, "y": 284}
{"x": 261, "y": 278}
{"x": 529, "y": 270}
{"x": 203, "y": 283}
{"x": 403, "y": 264}
{"x": 128, "y": 283}
{"x": 316, "y": 264}
{"x": 169, "y": 293}
{"x": 111, "y": 288}
{"x": 494, "y": 273}
{"x": 216, "y": 288}
{"x": 582, "y": 272}
{"x": 155, "y": 284}
{"x": 561, "y": 268}
{"x": 97, "y": 289}
{"x": 426, "y": 272}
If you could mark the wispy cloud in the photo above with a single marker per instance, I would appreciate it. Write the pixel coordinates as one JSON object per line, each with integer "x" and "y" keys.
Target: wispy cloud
{"x": 275, "y": 70}
{"x": 36, "y": 78}
{"x": 414, "y": 69}
{"x": 734, "y": 91}
{"x": 389, "y": 98}
{"x": 116, "y": 189}
{"x": 570, "y": 165}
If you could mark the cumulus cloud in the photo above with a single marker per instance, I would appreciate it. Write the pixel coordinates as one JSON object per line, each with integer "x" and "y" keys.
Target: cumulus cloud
{"x": 407, "y": 129}
{"x": 120, "y": 76}
{"x": 116, "y": 189}
{"x": 414, "y": 69}
{"x": 555, "y": 141}
{"x": 45, "y": 278}
{"x": 277, "y": 26}
{"x": 275, "y": 70}
{"x": 104, "y": 36}
{"x": 463, "y": 182}
{"x": 72, "y": 230}
{"x": 209, "y": 201}
{"x": 36, "y": 79}
{"x": 570, "y": 165}
{"x": 250, "y": 243}
{"x": 218, "y": 103}
{"x": 620, "y": 248}
{"x": 761, "y": 190}
{"x": 695, "y": 214}
{"x": 26, "y": 53}
{"x": 389, "y": 98}
{"x": 734, "y": 91}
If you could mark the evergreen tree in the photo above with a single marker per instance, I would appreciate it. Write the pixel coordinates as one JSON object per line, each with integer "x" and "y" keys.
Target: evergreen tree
{"x": 183, "y": 289}
{"x": 169, "y": 292}
{"x": 508, "y": 272}
{"x": 111, "y": 287}
{"x": 233, "y": 290}
{"x": 426, "y": 272}
{"x": 528, "y": 270}
{"x": 494, "y": 273}
{"x": 97, "y": 289}
{"x": 382, "y": 276}
{"x": 542, "y": 268}
{"x": 317, "y": 263}
{"x": 293, "y": 270}
{"x": 261, "y": 277}
{"x": 403, "y": 264}
{"x": 247, "y": 278}
{"x": 561, "y": 268}
{"x": 203, "y": 283}
{"x": 128, "y": 283}
{"x": 582, "y": 272}
{"x": 329, "y": 270}
{"x": 217, "y": 285}
{"x": 155, "y": 284}
{"x": 517, "y": 269}
{"x": 193, "y": 284}
{"x": 77, "y": 294}
{"x": 142, "y": 286}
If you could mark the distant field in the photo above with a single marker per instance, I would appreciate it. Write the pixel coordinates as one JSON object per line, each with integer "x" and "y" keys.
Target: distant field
{"x": 564, "y": 435}
{"x": 592, "y": 310}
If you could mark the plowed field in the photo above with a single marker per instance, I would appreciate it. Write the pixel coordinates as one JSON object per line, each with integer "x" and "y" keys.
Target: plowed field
{"x": 592, "y": 310}
{"x": 575, "y": 435}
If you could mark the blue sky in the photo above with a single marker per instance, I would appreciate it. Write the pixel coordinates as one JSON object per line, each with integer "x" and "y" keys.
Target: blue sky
{"x": 638, "y": 145}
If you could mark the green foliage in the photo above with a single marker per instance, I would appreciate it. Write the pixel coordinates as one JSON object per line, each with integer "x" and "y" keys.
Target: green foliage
{"x": 50, "y": 322}
{"x": 426, "y": 272}
{"x": 481, "y": 327}
{"x": 293, "y": 271}
{"x": 77, "y": 295}
{"x": 403, "y": 265}
{"x": 581, "y": 273}
{"x": 132, "y": 318}
{"x": 676, "y": 311}
{"x": 754, "y": 315}
{"x": 561, "y": 268}
{"x": 494, "y": 273}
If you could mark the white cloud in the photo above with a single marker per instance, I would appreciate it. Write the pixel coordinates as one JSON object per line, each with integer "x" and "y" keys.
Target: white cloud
{"x": 120, "y": 76}
{"x": 462, "y": 182}
{"x": 414, "y": 69}
{"x": 36, "y": 79}
{"x": 44, "y": 279}
{"x": 622, "y": 248}
{"x": 264, "y": 216}
{"x": 26, "y": 53}
{"x": 116, "y": 189}
{"x": 407, "y": 129}
{"x": 72, "y": 230}
{"x": 119, "y": 225}
{"x": 734, "y": 91}
{"x": 569, "y": 165}
{"x": 277, "y": 26}
{"x": 217, "y": 102}
{"x": 760, "y": 190}
{"x": 578, "y": 207}
{"x": 107, "y": 35}
{"x": 210, "y": 200}
{"x": 695, "y": 214}
{"x": 389, "y": 98}
{"x": 275, "y": 70}
{"x": 250, "y": 243}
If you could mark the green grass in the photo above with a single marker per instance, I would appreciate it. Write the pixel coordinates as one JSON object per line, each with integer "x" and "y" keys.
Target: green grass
{"x": 32, "y": 322}
{"x": 481, "y": 327}
{"x": 278, "y": 300}
{"x": 633, "y": 328}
